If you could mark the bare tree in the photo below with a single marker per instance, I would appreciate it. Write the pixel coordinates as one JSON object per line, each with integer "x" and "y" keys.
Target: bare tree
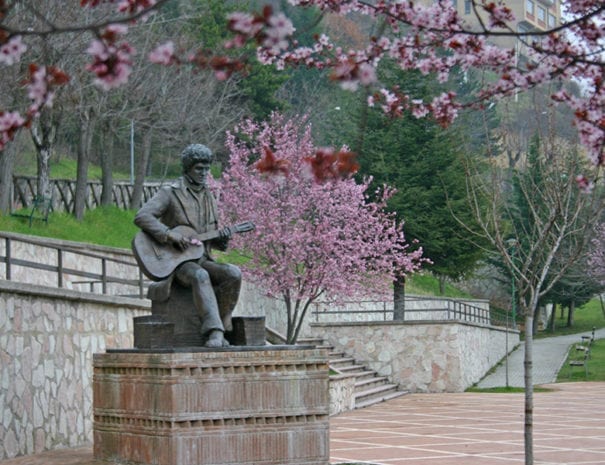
{"x": 540, "y": 244}
{"x": 172, "y": 107}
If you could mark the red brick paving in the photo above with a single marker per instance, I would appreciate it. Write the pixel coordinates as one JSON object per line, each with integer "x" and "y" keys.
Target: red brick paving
{"x": 451, "y": 429}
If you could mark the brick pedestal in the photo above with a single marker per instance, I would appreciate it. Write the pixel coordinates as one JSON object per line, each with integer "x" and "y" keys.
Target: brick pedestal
{"x": 240, "y": 406}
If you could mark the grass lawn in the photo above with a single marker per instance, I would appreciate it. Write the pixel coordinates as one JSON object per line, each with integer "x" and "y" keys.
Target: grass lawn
{"x": 586, "y": 317}
{"x": 595, "y": 364}
{"x": 109, "y": 226}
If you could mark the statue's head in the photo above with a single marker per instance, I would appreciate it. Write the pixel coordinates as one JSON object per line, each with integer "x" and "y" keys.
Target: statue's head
{"x": 195, "y": 153}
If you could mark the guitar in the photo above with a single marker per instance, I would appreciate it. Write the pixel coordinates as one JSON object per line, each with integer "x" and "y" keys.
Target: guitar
{"x": 157, "y": 261}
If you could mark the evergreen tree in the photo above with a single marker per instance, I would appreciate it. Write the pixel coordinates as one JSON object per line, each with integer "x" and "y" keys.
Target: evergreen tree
{"x": 426, "y": 164}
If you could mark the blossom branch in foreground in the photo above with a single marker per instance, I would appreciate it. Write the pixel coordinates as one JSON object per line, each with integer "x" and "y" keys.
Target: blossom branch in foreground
{"x": 112, "y": 59}
{"x": 434, "y": 39}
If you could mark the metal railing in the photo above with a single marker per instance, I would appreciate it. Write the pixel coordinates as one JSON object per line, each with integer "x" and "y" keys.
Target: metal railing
{"x": 59, "y": 268}
{"x": 415, "y": 309}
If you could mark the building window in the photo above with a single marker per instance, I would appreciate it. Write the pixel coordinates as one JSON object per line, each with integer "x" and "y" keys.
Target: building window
{"x": 467, "y": 7}
{"x": 552, "y": 20}
{"x": 541, "y": 15}
{"x": 529, "y": 7}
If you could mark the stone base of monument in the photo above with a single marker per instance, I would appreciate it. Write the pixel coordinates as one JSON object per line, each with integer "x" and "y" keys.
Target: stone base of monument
{"x": 174, "y": 322}
{"x": 244, "y": 406}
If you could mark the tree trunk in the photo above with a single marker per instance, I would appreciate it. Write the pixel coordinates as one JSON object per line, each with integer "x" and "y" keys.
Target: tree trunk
{"x": 529, "y": 388}
{"x": 552, "y": 319}
{"x": 43, "y": 133}
{"x": 43, "y": 189}
{"x": 570, "y": 313}
{"x": 7, "y": 162}
{"x": 107, "y": 168}
{"x": 82, "y": 171}
{"x": 399, "y": 299}
{"x": 536, "y": 321}
{"x": 441, "y": 280}
{"x": 137, "y": 190}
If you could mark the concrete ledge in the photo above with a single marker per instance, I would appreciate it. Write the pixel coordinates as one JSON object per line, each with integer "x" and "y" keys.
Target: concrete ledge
{"x": 416, "y": 323}
{"x": 71, "y": 295}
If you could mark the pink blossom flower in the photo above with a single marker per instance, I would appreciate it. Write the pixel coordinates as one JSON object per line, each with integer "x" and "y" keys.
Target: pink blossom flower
{"x": 112, "y": 59}
{"x": 135, "y": 6}
{"x": 163, "y": 54}
{"x": 116, "y": 29}
{"x": 274, "y": 45}
{"x": 11, "y": 51}
{"x": 38, "y": 90}
{"x": 243, "y": 23}
{"x": 10, "y": 122}
{"x": 280, "y": 26}
{"x": 584, "y": 184}
{"x": 367, "y": 74}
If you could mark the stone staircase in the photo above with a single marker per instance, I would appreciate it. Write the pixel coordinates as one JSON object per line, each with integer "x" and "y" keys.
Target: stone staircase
{"x": 370, "y": 388}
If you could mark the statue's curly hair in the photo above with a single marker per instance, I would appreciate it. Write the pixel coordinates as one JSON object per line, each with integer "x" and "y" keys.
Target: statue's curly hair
{"x": 193, "y": 154}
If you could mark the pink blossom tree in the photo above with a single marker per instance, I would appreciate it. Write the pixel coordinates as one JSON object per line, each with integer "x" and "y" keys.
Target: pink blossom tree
{"x": 312, "y": 240}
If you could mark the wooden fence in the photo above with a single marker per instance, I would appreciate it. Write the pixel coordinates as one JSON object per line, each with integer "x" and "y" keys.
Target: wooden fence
{"x": 63, "y": 193}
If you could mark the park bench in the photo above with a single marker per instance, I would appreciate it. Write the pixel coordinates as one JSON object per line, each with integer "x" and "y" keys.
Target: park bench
{"x": 41, "y": 207}
{"x": 584, "y": 347}
{"x": 581, "y": 362}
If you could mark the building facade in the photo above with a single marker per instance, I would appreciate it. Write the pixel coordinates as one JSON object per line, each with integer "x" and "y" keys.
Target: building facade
{"x": 531, "y": 16}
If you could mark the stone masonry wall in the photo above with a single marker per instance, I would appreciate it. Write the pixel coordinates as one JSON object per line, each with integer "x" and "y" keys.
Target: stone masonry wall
{"x": 47, "y": 338}
{"x": 424, "y": 356}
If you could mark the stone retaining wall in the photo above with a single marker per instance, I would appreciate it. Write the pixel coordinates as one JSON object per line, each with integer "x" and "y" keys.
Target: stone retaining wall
{"x": 47, "y": 338}
{"x": 424, "y": 356}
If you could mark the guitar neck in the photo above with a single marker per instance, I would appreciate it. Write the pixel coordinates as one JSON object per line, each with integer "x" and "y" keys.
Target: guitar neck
{"x": 207, "y": 236}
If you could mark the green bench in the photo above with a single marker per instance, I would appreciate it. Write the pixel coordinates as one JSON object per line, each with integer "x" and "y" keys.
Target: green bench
{"x": 40, "y": 208}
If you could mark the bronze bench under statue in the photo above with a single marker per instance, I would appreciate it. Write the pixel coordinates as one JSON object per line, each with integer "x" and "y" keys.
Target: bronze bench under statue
{"x": 174, "y": 322}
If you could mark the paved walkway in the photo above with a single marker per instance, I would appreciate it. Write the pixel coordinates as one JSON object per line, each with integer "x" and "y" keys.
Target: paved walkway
{"x": 475, "y": 429}
{"x": 457, "y": 428}
{"x": 548, "y": 357}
